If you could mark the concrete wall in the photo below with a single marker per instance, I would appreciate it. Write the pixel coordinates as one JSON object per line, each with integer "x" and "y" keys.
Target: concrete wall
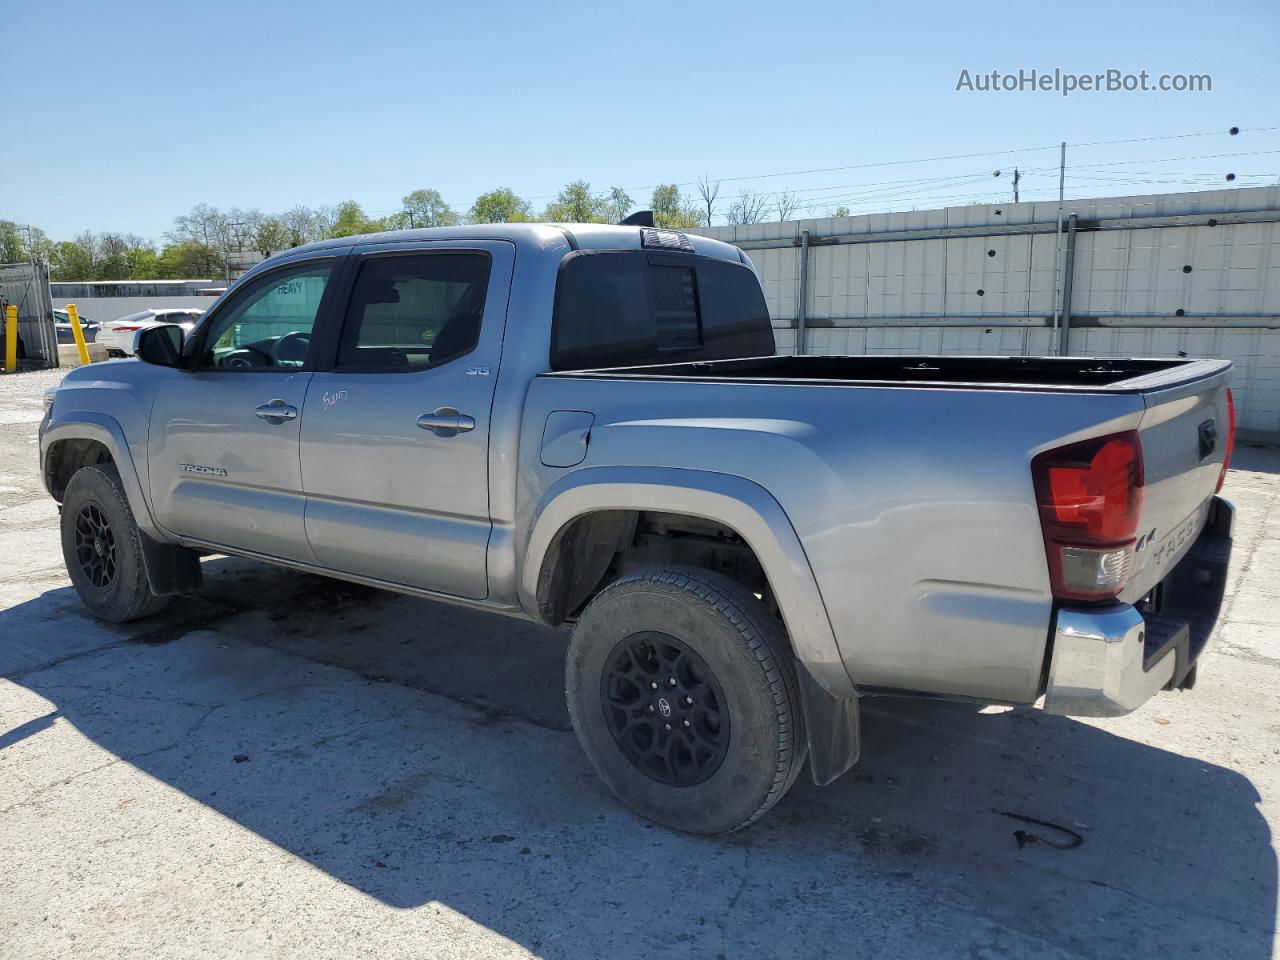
{"x": 71, "y": 289}
{"x": 981, "y": 280}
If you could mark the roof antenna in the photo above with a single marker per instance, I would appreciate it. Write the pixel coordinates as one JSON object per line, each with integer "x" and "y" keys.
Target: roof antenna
{"x": 641, "y": 218}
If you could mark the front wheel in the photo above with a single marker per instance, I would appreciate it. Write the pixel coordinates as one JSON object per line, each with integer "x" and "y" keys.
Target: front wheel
{"x": 682, "y": 693}
{"x": 102, "y": 550}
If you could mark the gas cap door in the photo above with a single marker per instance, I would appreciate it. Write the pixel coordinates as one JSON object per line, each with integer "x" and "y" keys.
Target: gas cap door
{"x": 565, "y": 437}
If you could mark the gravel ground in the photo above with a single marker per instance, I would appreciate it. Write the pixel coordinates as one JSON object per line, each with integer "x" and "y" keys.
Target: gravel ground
{"x": 287, "y": 766}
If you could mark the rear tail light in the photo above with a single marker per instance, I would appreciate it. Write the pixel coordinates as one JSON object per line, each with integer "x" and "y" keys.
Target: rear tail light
{"x": 1231, "y": 438}
{"x": 1090, "y": 500}
{"x": 122, "y": 328}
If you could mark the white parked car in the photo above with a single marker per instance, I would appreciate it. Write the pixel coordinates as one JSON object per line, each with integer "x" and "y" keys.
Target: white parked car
{"x": 117, "y": 335}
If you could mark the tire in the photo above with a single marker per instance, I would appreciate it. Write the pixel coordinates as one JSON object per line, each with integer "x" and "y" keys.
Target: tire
{"x": 692, "y": 776}
{"x": 102, "y": 549}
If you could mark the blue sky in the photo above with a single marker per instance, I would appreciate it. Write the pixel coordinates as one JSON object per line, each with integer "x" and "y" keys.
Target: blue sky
{"x": 120, "y": 116}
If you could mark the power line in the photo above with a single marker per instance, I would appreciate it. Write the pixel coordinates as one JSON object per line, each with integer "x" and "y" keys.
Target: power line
{"x": 957, "y": 156}
{"x": 863, "y": 194}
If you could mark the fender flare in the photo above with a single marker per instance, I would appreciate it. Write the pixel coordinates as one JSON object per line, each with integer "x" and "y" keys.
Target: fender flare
{"x": 734, "y": 501}
{"x": 86, "y": 425}
{"x": 170, "y": 568}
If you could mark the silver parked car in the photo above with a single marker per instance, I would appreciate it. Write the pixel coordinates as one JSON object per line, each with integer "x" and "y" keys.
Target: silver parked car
{"x": 585, "y": 424}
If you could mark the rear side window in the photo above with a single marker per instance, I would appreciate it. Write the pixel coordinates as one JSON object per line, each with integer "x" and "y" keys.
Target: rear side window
{"x": 414, "y": 311}
{"x": 631, "y": 308}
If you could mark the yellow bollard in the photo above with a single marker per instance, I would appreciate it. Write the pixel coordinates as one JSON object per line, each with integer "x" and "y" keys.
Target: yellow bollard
{"x": 11, "y": 339}
{"x": 76, "y": 332}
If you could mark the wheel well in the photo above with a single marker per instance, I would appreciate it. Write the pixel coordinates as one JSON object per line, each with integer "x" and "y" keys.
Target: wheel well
{"x": 66, "y": 457}
{"x": 595, "y": 549}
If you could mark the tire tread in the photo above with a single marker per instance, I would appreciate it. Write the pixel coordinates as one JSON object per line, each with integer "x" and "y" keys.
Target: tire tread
{"x": 765, "y": 640}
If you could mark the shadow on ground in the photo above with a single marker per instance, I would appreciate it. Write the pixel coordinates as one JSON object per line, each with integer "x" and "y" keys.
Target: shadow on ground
{"x": 482, "y": 802}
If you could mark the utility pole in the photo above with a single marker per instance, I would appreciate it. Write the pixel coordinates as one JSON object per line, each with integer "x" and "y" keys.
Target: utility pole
{"x": 233, "y": 226}
{"x": 1016, "y": 177}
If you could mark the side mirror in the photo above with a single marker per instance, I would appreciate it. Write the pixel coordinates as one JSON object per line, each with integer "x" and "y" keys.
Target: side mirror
{"x": 160, "y": 345}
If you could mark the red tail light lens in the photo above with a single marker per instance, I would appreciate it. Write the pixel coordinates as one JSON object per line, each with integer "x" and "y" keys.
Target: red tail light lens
{"x": 1090, "y": 500}
{"x": 1231, "y": 438}
{"x": 124, "y": 329}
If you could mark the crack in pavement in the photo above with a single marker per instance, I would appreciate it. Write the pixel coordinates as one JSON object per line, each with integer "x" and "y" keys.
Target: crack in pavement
{"x": 190, "y": 732}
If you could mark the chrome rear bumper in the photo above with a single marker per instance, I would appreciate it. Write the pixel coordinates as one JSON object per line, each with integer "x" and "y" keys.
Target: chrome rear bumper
{"x": 1109, "y": 661}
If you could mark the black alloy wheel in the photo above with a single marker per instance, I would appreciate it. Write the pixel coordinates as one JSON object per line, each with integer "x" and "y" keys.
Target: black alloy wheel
{"x": 95, "y": 545}
{"x": 665, "y": 709}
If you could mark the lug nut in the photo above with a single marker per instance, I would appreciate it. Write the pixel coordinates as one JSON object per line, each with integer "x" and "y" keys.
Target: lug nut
{"x": 651, "y": 708}
{"x": 686, "y": 723}
{"x": 667, "y": 725}
{"x": 688, "y": 701}
{"x": 653, "y": 686}
{"x": 672, "y": 681}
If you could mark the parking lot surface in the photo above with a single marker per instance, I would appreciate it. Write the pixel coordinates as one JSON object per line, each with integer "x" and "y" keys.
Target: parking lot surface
{"x": 289, "y": 766}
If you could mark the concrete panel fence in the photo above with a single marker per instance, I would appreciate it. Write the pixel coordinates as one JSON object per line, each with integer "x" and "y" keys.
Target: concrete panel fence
{"x": 1194, "y": 274}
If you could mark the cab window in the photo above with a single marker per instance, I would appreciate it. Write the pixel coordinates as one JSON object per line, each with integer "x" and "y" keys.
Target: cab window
{"x": 414, "y": 311}
{"x": 269, "y": 326}
{"x": 632, "y": 308}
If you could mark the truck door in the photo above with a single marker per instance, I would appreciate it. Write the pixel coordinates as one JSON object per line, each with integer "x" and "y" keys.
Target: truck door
{"x": 223, "y": 444}
{"x": 395, "y": 432}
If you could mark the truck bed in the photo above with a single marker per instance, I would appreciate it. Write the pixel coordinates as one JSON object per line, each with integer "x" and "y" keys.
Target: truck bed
{"x": 1073, "y": 374}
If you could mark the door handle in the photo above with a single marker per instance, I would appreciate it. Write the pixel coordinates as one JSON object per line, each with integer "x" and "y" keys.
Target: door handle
{"x": 275, "y": 411}
{"x": 446, "y": 422}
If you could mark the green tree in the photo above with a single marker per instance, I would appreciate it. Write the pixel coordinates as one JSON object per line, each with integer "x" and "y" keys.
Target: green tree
{"x": 620, "y": 204}
{"x": 74, "y": 259}
{"x": 18, "y": 243}
{"x": 189, "y": 259}
{"x": 272, "y": 236}
{"x": 349, "y": 219}
{"x": 500, "y": 206}
{"x": 577, "y": 204}
{"x": 12, "y": 247}
{"x": 304, "y": 225}
{"x": 144, "y": 264}
{"x": 113, "y": 249}
{"x": 208, "y": 229}
{"x": 841, "y": 211}
{"x": 395, "y": 221}
{"x": 426, "y": 208}
{"x": 671, "y": 210}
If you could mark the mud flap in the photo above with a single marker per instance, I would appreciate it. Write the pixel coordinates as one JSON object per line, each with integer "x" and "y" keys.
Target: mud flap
{"x": 170, "y": 568}
{"x": 833, "y": 728}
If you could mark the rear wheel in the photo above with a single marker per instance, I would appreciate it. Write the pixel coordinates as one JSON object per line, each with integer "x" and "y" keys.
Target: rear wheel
{"x": 102, "y": 550}
{"x": 683, "y": 695}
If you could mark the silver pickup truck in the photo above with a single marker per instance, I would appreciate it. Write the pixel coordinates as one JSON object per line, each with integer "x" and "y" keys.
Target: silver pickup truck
{"x": 586, "y": 424}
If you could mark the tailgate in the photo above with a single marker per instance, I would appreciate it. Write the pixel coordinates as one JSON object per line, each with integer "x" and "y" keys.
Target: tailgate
{"x": 1184, "y": 433}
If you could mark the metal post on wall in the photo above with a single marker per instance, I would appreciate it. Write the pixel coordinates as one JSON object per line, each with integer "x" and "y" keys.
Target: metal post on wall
{"x": 1068, "y": 278}
{"x": 1057, "y": 250}
{"x": 802, "y": 314}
